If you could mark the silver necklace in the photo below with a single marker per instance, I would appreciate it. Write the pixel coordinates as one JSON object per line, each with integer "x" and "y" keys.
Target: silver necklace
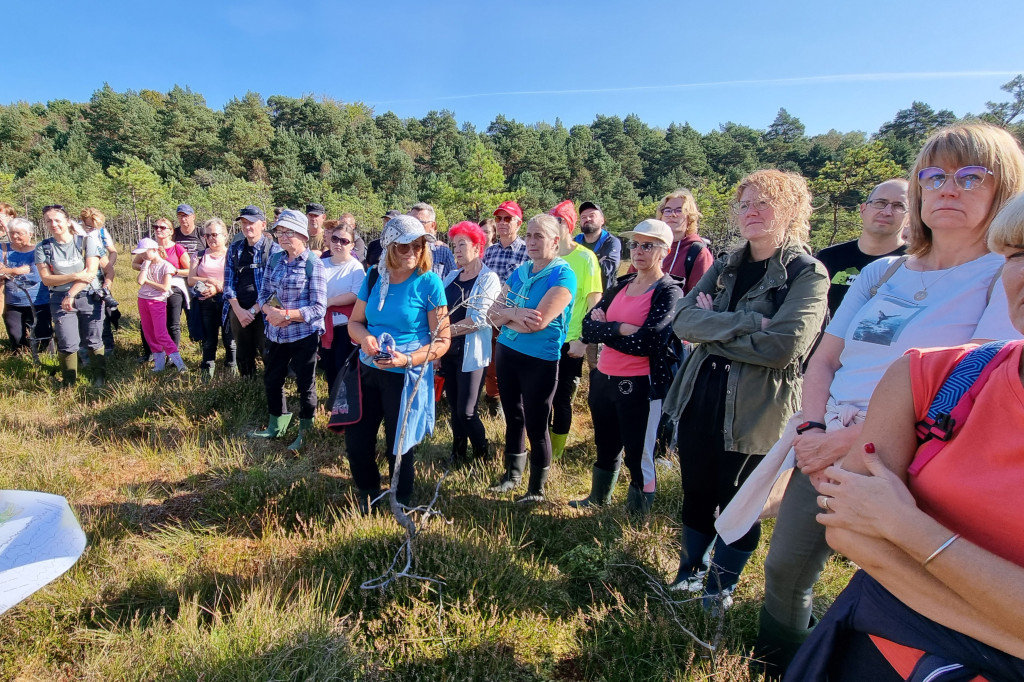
{"x": 923, "y": 293}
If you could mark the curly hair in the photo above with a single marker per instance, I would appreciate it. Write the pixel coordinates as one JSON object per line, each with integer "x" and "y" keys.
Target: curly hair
{"x": 690, "y": 210}
{"x": 788, "y": 194}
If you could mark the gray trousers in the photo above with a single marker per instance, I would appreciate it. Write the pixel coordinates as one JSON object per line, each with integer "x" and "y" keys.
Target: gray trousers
{"x": 83, "y": 327}
{"x": 796, "y": 555}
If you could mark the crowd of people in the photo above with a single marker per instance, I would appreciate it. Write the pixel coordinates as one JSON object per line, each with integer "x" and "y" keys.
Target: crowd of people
{"x": 767, "y": 367}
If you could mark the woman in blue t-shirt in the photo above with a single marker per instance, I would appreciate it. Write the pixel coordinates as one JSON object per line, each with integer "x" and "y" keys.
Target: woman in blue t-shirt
{"x": 403, "y": 298}
{"x": 26, "y": 300}
{"x": 533, "y": 312}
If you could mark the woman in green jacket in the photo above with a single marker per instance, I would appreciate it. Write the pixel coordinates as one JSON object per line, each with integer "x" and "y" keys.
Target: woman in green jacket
{"x": 754, "y": 316}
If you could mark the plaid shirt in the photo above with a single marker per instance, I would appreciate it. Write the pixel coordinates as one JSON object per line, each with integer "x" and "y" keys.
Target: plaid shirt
{"x": 231, "y": 268}
{"x": 504, "y": 260}
{"x": 444, "y": 259}
{"x": 309, "y": 297}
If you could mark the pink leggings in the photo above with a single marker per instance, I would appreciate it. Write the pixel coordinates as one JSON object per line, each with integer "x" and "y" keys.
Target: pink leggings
{"x": 154, "y": 325}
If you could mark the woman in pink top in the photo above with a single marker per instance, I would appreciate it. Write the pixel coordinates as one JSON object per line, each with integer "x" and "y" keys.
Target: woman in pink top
{"x": 938, "y": 535}
{"x": 154, "y": 287}
{"x": 634, "y": 321}
{"x": 176, "y": 255}
{"x": 206, "y": 277}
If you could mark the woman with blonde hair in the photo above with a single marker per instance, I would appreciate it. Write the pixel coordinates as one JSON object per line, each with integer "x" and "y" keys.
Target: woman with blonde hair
{"x": 688, "y": 258}
{"x": 942, "y": 293}
{"x": 206, "y": 277}
{"x": 754, "y": 316}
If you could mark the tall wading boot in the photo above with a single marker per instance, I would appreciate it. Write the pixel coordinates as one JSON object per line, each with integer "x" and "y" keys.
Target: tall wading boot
{"x": 276, "y": 427}
{"x": 365, "y": 498}
{"x": 68, "y": 369}
{"x": 514, "y": 467}
{"x": 557, "y": 445}
{"x": 535, "y": 491}
{"x": 602, "y": 485}
{"x": 99, "y": 368}
{"x": 694, "y": 551}
{"x": 726, "y": 565}
{"x": 305, "y": 425}
{"x": 639, "y": 503}
{"x": 776, "y": 645}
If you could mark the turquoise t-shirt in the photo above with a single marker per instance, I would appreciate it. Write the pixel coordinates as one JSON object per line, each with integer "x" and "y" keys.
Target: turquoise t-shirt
{"x": 404, "y": 315}
{"x": 545, "y": 344}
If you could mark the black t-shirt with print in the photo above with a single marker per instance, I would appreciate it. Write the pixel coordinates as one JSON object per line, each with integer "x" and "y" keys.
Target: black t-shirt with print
{"x": 844, "y": 263}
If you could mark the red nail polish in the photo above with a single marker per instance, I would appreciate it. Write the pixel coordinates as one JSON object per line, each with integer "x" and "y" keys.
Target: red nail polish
{"x": 869, "y": 448}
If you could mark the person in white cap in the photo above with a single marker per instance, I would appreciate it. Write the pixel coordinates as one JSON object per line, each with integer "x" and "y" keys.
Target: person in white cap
{"x": 633, "y": 320}
{"x": 155, "y": 275}
{"x": 293, "y": 300}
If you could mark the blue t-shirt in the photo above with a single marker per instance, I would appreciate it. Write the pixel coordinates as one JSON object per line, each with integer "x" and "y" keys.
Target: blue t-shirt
{"x": 13, "y": 293}
{"x": 404, "y": 315}
{"x": 545, "y": 344}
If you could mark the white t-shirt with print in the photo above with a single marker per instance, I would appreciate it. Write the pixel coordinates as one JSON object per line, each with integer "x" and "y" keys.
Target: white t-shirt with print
{"x": 879, "y": 330}
{"x": 343, "y": 279}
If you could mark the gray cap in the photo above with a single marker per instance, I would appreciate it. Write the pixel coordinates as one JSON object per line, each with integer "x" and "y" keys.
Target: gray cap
{"x": 655, "y": 229}
{"x": 293, "y": 220}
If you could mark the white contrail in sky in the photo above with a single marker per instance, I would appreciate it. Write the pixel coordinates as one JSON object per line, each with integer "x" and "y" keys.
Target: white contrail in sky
{"x": 799, "y": 80}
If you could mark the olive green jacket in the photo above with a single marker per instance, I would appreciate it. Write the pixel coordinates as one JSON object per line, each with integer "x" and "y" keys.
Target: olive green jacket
{"x": 763, "y": 390}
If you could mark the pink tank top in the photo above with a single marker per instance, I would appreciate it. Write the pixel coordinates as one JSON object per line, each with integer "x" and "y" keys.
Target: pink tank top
{"x": 212, "y": 267}
{"x": 633, "y": 310}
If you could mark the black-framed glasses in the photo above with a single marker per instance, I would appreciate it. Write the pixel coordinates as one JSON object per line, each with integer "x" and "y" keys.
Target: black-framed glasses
{"x": 741, "y": 207}
{"x": 646, "y": 247}
{"x": 286, "y": 234}
{"x": 882, "y": 204}
{"x": 672, "y": 211}
{"x": 340, "y": 240}
{"x": 966, "y": 178}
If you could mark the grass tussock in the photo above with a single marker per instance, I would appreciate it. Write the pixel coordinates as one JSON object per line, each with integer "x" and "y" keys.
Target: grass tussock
{"x": 215, "y": 557}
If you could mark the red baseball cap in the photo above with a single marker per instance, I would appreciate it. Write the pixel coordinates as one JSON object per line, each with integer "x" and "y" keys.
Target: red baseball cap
{"x": 567, "y": 212}
{"x": 510, "y": 207}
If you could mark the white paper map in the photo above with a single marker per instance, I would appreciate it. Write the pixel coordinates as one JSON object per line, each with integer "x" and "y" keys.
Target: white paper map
{"x": 39, "y": 539}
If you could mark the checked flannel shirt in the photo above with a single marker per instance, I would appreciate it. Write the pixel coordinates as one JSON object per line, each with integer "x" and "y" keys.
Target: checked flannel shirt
{"x": 231, "y": 266}
{"x": 504, "y": 260}
{"x": 296, "y": 292}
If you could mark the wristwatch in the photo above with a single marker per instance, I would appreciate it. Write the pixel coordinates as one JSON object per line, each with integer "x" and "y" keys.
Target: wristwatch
{"x": 287, "y": 315}
{"x": 807, "y": 426}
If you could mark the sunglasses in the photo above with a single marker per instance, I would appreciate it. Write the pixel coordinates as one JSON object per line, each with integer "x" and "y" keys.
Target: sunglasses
{"x": 161, "y": 227}
{"x": 646, "y": 247}
{"x": 340, "y": 240}
{"x": 503, "y": 218}
{"x": 406, "y": 249}
{"x": 54, "y": 207}
{"x": 212, "y": 234}
{"x": 966, "y": 178}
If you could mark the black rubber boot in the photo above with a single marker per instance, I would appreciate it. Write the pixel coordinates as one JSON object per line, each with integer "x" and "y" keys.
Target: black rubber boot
{"x": 639, "y": 503}
{"x": 693, "y": 561}
{"x": 514, "y": 466}
{"x": 727, "y": 564}
{"x": 602, "y": 485}
{"x": 776, "y": 645}
{"x": 365, "y": 498}
{"x": 535, "y": 491}
{"x": 98, "y": 367}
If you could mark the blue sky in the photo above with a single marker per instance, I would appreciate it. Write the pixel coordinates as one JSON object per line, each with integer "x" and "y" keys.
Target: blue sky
{"x": 832, "y": 64}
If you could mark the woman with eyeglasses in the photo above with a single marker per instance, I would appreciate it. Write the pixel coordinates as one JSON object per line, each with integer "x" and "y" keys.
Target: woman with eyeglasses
{"x": 26, "y": 300}
{"x": 688, "y": 258}
{"x": 344, "y": 275}
{"x": 633, "y": 320}
{"x": 754, "y": 316}
{"x": 470, "y": 291}
{"x": 943, "y": 293}
{"x": 69, "y": 266}
{"x": 293, "y": 300}
{"x": 533, "y": 311}
{"x": 400, "y": 323}
{"x": 206, "y": 277}
{"x": 176, "y": 255}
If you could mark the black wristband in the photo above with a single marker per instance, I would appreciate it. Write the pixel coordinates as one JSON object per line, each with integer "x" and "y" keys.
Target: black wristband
{"x": 807, "y": 426}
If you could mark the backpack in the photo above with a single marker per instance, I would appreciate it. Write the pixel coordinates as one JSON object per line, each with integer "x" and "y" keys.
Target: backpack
{"x": 955, "y": 399}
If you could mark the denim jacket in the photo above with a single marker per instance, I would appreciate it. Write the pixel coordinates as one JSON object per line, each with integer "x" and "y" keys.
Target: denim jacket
{"x": 763, "y": 389}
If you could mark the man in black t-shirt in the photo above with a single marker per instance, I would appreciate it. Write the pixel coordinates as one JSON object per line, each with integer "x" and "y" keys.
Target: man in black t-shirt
{"x": 884, "y": 216}
{"x": 188, "y": 236}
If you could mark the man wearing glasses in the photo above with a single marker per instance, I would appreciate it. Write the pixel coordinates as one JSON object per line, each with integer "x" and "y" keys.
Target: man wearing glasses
{"x": 504, "y": 256}
{"x": 444, "y": 259}
{"x": 188, "y": 236}
{"x": 605, "y": 245}
{"x": 243, "y": 280}
{"x": 884, "y": 215}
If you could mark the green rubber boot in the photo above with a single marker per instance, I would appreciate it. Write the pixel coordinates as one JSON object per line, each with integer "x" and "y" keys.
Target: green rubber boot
{"x": 98, "y": 366}
{"x": 276, "y": 427}
{"x": 557, "y": 445}
{"x": 304, "y": 426}
{"x": 68, "y": 369}
{"x": 602, "y": 485}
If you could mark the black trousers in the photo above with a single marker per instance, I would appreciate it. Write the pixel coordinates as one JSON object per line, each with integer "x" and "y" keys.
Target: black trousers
{"x": 301, "y": 356}
{"x": 249, "y": 342}
{"x": 625, "y": 419}
{"x": 382, "y": 402}
{"x": 527, "y": 386}
{"x": 463, "y": 391}
{"x": 175, "y": 302}
{"x": 18, "y": 321}
{"x": 210, "y": 314}
{"x": 711, "y": 474}
{"x": 569, "y": 372}
{"x": 333, "y": 359}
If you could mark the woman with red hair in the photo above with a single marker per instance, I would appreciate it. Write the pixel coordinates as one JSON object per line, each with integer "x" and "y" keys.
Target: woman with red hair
{"x": 470, "y": 291}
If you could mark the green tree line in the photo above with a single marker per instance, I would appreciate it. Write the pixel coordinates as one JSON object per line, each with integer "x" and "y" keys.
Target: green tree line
{"x": 136, "y": 155}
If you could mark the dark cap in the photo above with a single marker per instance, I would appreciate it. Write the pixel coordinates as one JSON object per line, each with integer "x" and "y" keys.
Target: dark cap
{"x": 316, "y": 209}
{"x": 185, "y": 208}
{"x": 252, "y": 213}
{"x": 392, "y": 214}
{"x": 589, "y": 204}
